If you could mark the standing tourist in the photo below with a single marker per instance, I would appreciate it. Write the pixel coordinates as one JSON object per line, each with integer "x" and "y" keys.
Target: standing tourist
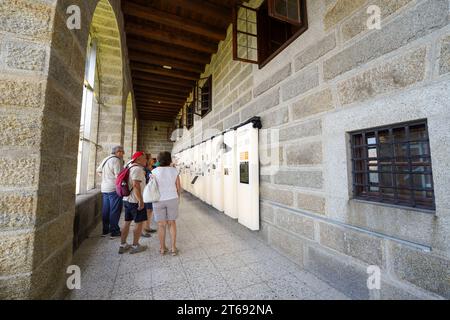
{"x": 109, "y": 169}
{"x": 166, "y": 209}
{"x": 134, "y": 204}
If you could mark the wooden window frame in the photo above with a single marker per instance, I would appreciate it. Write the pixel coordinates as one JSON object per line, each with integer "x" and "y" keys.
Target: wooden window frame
{"x": 264, "y": 61}
{"x": 190, "y": 111}
{"x": 199, "y": 96}
{"x": 274, "y": 14}
{"x": 236, "y": 31}
{"x": 362, "y": 163}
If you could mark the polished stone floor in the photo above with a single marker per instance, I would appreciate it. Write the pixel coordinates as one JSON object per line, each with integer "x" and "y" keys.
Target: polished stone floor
{"x": 219, "y": 259}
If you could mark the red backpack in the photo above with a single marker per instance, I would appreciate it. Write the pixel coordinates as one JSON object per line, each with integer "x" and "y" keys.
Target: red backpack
{"x": 122, "y": 187}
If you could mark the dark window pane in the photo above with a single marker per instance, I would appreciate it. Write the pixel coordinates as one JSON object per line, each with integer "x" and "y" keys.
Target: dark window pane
{"x": 384, "y": 136}
{"x": 385, "y": 168}
{"x": 401, "y": 150}
{"x": 281, "y": 7}
{"x": 422, "y": 181}
{"x": 387, "y": 193}
{"x": 402, "y": 168}
{"x": 386, "y": 179}
{"x": 420, "y": 169}
{"x": 403, "y": 180}
{"x": 419, "y": 148}
{"x": 399, "y": 134}
{"x": 358, "y": 140}
{"x": 386, "y": 150}
{"x": 293, "y": 10}
{"x": 417, "y": 132}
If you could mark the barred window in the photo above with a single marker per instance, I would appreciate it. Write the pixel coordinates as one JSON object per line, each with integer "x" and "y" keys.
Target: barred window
{"x": 190, "y": 116}
{"x": 393, "y": 165}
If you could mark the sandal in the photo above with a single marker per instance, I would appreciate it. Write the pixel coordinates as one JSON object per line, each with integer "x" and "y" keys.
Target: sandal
{"x": 163, "y": 252}
{"x": 174, "y": 252}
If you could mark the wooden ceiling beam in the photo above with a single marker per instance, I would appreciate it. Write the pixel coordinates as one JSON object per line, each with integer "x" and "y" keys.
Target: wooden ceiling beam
{"x": 164, "y": 61}
{"x": 146, "y": 90}
{"x": 163, "y": 79}
{"x": 157, "y": 113}
{"x": 143, "y": 108}
{"x": 161, "y": 86}
{"x": 153, "y": 118}
{"x": 171, "y": 37}
{"x": 158, "y": 95}
{"x": 164, "y": 72}
{"x": 169, "y": 51}
{"x": 172, "y": 20}
{"x": 205, "y": 8}
{"x": 162, "y": 94}
{"x": 158, "y": 105}
{"x": 158, "y": 100}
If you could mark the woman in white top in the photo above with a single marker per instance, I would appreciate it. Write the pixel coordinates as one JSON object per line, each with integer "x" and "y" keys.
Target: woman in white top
{"x": 166, "y": 209}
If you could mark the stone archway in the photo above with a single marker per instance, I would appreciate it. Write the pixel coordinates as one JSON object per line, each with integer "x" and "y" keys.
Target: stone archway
{"x": 105, "y": 30}
{"x": 42, "y": 89}
{"x": 129, "y": 123}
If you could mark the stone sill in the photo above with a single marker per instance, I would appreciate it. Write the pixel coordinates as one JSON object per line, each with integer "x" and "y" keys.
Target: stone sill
{"x": 393, "y": 206}
{"x": 82, "y": 198}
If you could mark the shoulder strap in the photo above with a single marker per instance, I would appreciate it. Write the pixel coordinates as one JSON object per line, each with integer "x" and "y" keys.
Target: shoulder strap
{"x": 104, "y": 163}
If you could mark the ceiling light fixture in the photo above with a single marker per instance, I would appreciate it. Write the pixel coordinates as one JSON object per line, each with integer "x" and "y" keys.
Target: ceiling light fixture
{"x": 167, "y": 67}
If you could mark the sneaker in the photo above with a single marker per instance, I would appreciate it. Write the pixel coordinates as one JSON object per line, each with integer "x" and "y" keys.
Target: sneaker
{"x": 124, "y": 248}
{"x": 137, "y": 249}
{"x": 150, "y": 230}
{"x": 146, "y": 235}
{"x": 115, "y": 235}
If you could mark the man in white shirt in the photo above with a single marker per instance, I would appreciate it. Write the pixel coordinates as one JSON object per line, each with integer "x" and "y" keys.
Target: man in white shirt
{"x": 134, "y": 204}
{"x": 109, "y": 169}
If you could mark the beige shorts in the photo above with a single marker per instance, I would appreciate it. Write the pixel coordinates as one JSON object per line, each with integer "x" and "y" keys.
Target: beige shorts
{"x": 166, "y": 210}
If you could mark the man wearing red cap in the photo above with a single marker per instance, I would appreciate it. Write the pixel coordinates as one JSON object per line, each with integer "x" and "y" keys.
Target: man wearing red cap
{"x": 134, "y": 204}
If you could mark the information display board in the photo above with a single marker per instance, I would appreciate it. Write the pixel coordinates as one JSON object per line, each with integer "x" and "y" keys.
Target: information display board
{"x": 248, "y": 186}
{"x": 208, "y": 173}
{"x": 224, "y": 172}
{"x": 217, "y": 172}
{"x": 230, "y": 181}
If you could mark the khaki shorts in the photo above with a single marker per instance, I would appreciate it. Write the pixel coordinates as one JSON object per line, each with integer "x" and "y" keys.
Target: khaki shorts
{"x": 166, "y": 210}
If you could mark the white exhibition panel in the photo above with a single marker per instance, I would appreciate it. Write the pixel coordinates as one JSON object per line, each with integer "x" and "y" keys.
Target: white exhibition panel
{"x": 208, "y": 173}
{"x": 197, "y": 171}
{"x": 190, "y": 166}
{"x": 184, "y": 168}
{"x": 201, "y": 179}
{"x": 230, "y": 179}
{"x": 180, "y": 167}
{"x": 225, "y": 172}
{"x": 217, "y": 172}
{"x": 248, "y": 176}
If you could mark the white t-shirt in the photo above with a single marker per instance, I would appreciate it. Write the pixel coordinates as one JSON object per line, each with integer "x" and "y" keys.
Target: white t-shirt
{"x": 110, "y": 169}
{"x": 166, "y": 177}
{"x": 137, "y": 173}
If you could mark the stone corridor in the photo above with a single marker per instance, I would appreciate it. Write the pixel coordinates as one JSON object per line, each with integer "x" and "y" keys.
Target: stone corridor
{"x": 219, "y": 259}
